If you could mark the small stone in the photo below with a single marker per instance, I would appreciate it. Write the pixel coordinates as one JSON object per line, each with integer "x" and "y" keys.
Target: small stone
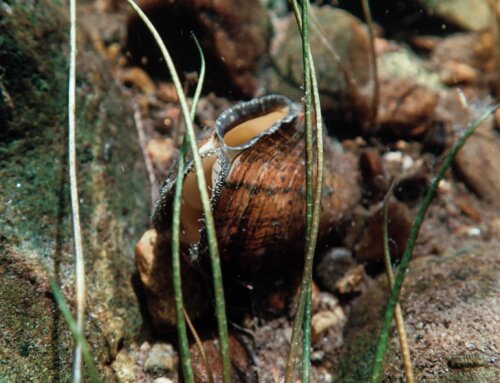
{"x": 241, "y": 370}
{"x": 370, "y": 248}
{"x": 473, "y": 15}
{"x": 154, "y": 264}
{"x": 406, "y": 108}
{"x": 324, "y": 320}
{"x": 456, "y": 73}
{"x": 373, "y": 174}
{"x": 465, "y": 204}
{"x": 163, "y": 380}
{"x": 477, "y": 162}
{"x": 140, "y": 79}
{"x": 497, "y": 119}
{"x": 411, "y": 188}
{"x": 352, "y": 282}
{"x": 333, "y": 267}
{"x": 166, "y": 92}
{"x": 495, "y": 227}
{"x": 124, "y": 367}
{"x": 161, "y": 359}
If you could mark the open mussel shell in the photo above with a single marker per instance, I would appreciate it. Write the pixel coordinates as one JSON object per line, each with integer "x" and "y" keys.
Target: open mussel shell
{"x": 254, "y": 163}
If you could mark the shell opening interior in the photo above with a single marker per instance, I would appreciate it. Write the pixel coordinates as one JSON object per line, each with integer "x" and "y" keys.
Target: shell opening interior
{"x": 191, "y": 206}
{"x": 244, "y": 132}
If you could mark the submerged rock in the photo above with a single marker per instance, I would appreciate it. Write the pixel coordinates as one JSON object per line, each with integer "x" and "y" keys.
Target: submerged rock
{"x": 477, "y": 162}
{"x": 340, "y": 45}
{"x": 35, "y": 218}
{"x": 450, "y": 305}
{"x": 473, "y": 15}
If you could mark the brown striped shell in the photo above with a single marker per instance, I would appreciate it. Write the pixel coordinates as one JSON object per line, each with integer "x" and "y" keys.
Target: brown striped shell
{"x": 255, "y": 170}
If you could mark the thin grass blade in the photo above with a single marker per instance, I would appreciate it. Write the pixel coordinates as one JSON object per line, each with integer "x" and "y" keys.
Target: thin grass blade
{"x": 75, "y": 331}
{"x": 75, "y": 210}
{"x": 313, "y": 207}
{"x": 176, "y": 264}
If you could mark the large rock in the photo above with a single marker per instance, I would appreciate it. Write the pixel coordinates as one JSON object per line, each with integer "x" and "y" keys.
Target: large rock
{"x": 450, "y": 305}
{"x": 474, "y": 15}
{"x": 340, "y": 45}
{"x": 35, "y": 218}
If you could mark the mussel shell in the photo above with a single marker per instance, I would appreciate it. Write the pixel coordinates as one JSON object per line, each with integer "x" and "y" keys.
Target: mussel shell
{"x": 258, "y": 201}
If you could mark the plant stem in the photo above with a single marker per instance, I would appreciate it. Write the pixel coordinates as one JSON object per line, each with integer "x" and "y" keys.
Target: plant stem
{"x": 410, "y": 244}
{"x": 75, "y": 209}
{"x": 403, "y": 341}
{"x": 312, "y": 223}
{"x": 220, "y": 306}
{"x": 176, "y": 264}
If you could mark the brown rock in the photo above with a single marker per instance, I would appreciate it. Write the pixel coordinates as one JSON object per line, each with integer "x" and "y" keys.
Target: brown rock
{"x": 465, "y": 205}
{"x": 241, "y": 367}
{"x": 341, "y": 61}
{"x": 166, "y": 92}
{"x": 497, "y": 119}
{"x": 373, "y": 174}
{"x": 371, "y": 247}
{"x": 454, "y": 73}
{"x": 233, "y": 35}
{"x": 477, "y": 162}
{"x": 154, "y": 264}
{"x": 140, "y": 79}
{"x": 406, "y": 108}
{"x": 411, "y": 188}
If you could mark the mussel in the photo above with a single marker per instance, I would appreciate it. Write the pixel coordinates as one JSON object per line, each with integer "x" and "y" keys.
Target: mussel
{"x": 254, "y": 164}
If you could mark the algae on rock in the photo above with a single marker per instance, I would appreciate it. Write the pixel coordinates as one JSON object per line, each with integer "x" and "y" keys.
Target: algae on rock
{"x": 35, "y": 217}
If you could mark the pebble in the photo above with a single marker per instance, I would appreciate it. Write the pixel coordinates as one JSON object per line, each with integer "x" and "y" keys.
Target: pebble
{"x": 370, "y": 248}
{"x": 140, "y": 79}
{"x": 155, "y": 271}
{"x": 352, "y": 282}
{"x": 495, "y": 227}
{"x": 161, "y": 359}
{"x": 455, "y": 73}
{"x": 124, "y": 367}
{"x": 163, "y": 380}
{"x": 477, "y": 162}
{"x": 473, "y": 15}
{"x": 333, "y": 267}
{"x": 406, "y": 108}
{"x": 324, "y": 320}
{"x": 373, "y": 174}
